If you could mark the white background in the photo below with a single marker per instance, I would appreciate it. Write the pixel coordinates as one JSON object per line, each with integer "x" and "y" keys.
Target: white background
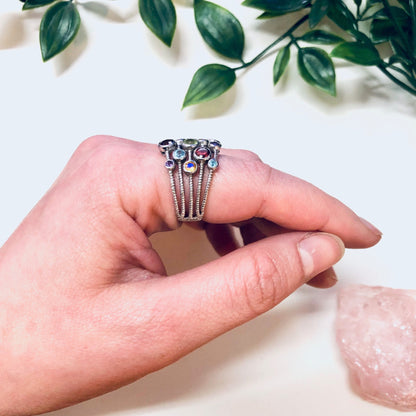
{"x": 117, "y": 78}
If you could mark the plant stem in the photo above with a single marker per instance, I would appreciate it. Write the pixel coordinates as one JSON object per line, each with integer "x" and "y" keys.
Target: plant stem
{"x": 288, "y": 33}
{"x": 383, "y": 68}
{"x": 400, "y": 31}
{"x": 404, "y": 73}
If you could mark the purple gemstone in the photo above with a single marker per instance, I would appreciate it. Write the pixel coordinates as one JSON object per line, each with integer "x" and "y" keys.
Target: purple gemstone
{"x": 167, "y": 145}
{"x": 215, "y": 144}
{"x": 169, "y": 164}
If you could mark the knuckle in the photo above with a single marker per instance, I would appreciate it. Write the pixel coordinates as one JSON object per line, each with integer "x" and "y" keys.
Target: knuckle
{"x": 96, "y": 156}
{"x": 263, "y": 281}
{"x": 91, "y": 144}
{"x": 251, "y": 156}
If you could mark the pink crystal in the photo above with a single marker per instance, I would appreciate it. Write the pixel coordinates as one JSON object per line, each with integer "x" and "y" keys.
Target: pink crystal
{"x": 376, "y": 333}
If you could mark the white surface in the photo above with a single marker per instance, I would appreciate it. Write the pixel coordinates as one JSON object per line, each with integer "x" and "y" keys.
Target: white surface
{"x": 118, "y": 79}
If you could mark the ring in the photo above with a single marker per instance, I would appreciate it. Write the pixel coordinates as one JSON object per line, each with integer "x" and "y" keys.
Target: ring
{"x": 184, "y": 157}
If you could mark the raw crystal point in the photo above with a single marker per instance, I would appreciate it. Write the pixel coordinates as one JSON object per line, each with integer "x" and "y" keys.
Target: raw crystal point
{"x": 376, "y": 333}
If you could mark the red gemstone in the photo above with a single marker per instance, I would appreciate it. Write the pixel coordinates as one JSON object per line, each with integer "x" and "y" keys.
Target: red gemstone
{"x": 202, "y": 152}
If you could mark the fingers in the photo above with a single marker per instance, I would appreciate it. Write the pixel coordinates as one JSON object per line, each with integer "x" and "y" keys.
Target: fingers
{"x": 243, "y": 189}
{"x": 222, "y": 237}
{"x": 202, "y": 303}
{"x": 324, "y": 280}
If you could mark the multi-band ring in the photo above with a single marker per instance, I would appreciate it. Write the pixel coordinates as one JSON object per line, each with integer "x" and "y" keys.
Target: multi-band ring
{"x": 184, "y": 157}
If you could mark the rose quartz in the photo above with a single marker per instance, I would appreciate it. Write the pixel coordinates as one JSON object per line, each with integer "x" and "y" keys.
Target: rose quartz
{"x": 376, "y": 333}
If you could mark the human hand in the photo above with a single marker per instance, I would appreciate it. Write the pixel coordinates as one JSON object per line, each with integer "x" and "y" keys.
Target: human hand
{"x": 86, "y": 306}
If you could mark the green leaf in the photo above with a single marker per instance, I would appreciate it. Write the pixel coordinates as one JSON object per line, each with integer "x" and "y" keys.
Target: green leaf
{"x": 281, "y": 6}
{"x": 398, "y": 48}
{"x": 209, "y": 82}
{"x": 32, "y": 4}
{"x": 220, "y": 29}
{"x": 280, "y": 63}
{"x": 270, "y": 15}
{"x": 318, "y": 12}
{"x": 339, "y": 13}
{"x": 160, "y": 17}
{"x": 358, "y": 53}
{"x": 397, "y": 12}
{"x": 316, "y": 68}
{"x": 382, "y": 30}
{"x": 321, "y": 37}
{"x": 58, "y": 28}
{"x": 405, "y": 4}
{"x": 382, "y": 27}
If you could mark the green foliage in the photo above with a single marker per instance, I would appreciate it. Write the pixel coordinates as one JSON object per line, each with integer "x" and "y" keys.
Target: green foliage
{"x": 320, "y": 37}
{"x": 317, "y": 69}
{"x": 277, "y": 6}
{"x": 32, "y": 4}
{"x": 280, "y": 63}
{"x": 319, "y": 10}
{"x": 208, "y": 83}
{"x": 220, "y": 29}
{"x": 357, "y": 28}
{"x": 58, "y": 28}
{"x": 160, "y": 17}
{"x": 358, "y": 53}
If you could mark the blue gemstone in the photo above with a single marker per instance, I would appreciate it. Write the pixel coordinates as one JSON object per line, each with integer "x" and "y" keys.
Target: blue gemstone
{"x": 190, "y": 167}
{"x": 212, "y": 164}
{"x": 215, "y": 144}
{"x": 179, "y": 154}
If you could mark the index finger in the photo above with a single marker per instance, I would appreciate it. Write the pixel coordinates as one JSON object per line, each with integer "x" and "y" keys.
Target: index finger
{"x": 244, "y": 188}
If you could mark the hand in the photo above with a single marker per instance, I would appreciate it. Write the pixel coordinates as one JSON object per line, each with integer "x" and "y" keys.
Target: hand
{"x": 86, "y": 306}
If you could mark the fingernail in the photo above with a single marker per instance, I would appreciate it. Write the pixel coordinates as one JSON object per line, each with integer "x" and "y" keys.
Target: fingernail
{"x": 318, "y": 252}
{"x": 371, "y": 227}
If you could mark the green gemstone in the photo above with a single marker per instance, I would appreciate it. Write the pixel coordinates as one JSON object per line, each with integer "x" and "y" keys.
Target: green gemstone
{"x": 190, "y": 142}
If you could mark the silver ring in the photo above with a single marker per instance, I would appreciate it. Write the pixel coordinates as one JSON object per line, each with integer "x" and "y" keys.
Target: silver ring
{"x": 186, "y": 160}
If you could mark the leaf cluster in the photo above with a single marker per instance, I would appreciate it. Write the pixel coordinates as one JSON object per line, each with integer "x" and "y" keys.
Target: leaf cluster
{"x": 356, "y": 35}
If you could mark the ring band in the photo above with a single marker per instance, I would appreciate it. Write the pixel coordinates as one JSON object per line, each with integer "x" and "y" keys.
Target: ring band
{"x": 184, "y": 157}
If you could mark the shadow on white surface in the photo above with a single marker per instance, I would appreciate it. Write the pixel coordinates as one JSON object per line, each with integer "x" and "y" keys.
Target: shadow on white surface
{"x": 219, "y": 107}
{"x": 72, "y": 53}
{"x": 168, "y": 55}
{"x": 12, "y": 30}
{"x": 102, "y": 10}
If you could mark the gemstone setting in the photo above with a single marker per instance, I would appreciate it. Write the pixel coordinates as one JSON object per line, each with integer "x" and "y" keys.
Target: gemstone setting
{"x": 167, "y": 145}
{"x": 170, "y": 164}
{"x": 179, "y": 154}
{"x": 190, "y": 167}
{"x": 189, "y": 144}
{"x": 202, "y": 153}
{"x": 215, "y": 145}
{"x": 212, "y": 164}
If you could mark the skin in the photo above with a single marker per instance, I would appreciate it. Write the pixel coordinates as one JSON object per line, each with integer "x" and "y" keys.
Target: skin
{"x": 86, "y": 306}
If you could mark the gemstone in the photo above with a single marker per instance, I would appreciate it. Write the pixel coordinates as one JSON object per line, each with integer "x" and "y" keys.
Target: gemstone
{"x": 167, "y": 145}
{"x": 215, "y": 144}
{"x": 189, "y": 144}
{"x": 376, "y": 333}
{"x": 190, "y": 166}
{"x": 202, "y": 153}
{"x": 169, "y": 164}
{"x": 179, "y": 154}
{"x": 212, "y": 164}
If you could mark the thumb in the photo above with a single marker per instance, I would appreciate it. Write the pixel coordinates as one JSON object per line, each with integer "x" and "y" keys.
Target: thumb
{"x": 207, "y": 301}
